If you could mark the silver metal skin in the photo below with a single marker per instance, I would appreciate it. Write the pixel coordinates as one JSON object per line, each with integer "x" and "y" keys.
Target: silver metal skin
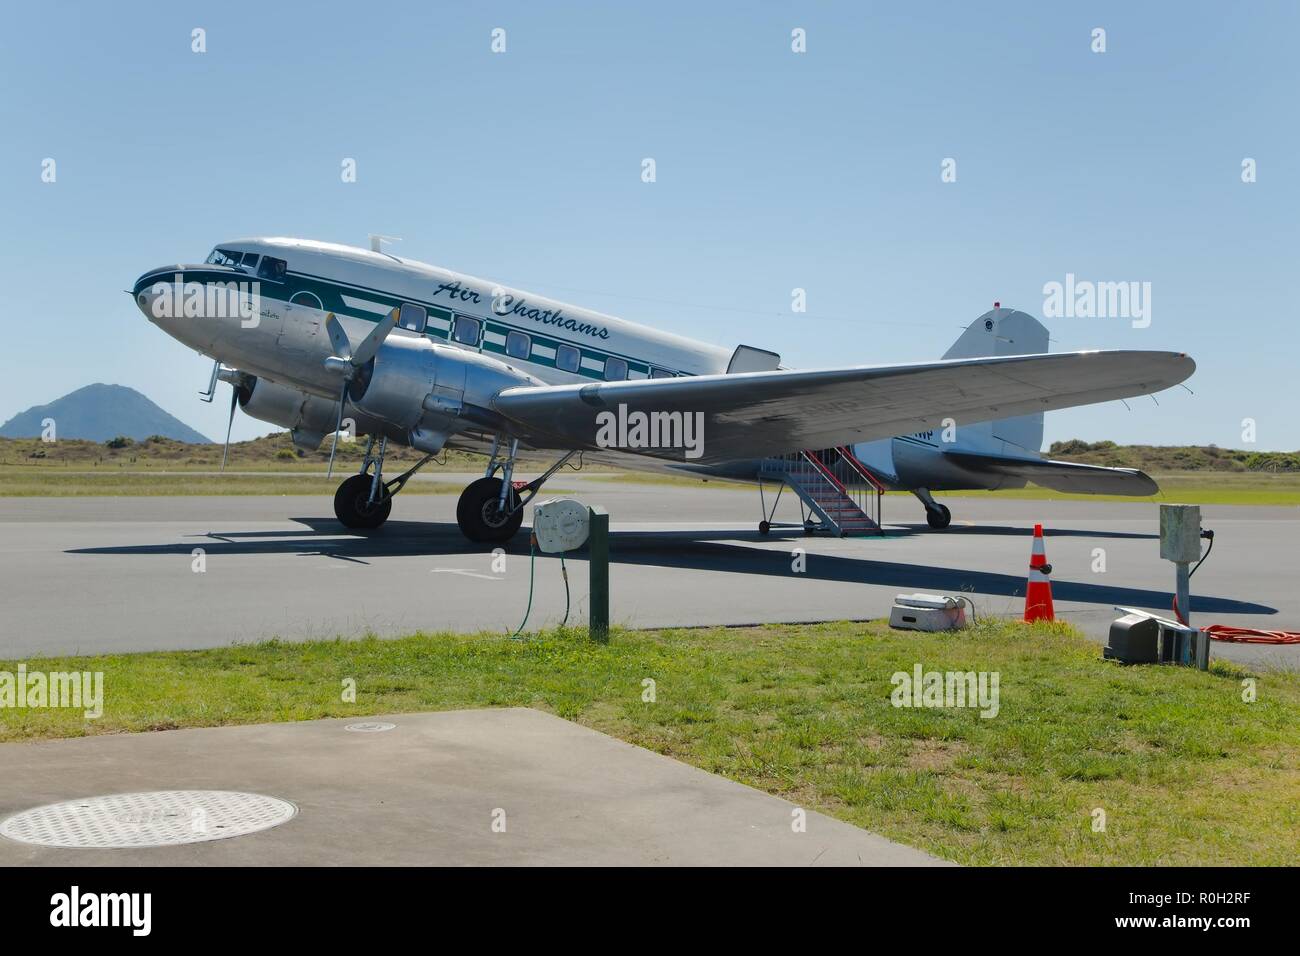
{"x": 310, "y": 417}
{"x": 298, "y": 368}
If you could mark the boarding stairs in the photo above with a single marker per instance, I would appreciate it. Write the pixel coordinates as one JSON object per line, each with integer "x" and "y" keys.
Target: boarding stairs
{"x": 833, "y": 486}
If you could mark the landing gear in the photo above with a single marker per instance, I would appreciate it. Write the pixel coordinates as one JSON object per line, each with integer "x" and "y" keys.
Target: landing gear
{"x": 354, "y": 508}
{"x": 365, "y": 501}
{"x": 939, "y": 518}
{"x": 491, "y": 509}
{"x": 936, "y": 515}
{"x": 482, "y": 517}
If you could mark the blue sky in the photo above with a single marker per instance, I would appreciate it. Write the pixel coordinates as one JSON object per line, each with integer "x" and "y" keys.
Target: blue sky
{"x": 775, "y": 170}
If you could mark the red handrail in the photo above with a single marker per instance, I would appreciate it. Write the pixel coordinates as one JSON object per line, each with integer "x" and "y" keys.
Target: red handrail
{"x": 847, "y": 454}
{"x": 826, "y": 472}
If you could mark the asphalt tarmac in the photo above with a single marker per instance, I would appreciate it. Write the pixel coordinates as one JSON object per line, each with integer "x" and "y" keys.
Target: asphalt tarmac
{"x": 90, "y": 575}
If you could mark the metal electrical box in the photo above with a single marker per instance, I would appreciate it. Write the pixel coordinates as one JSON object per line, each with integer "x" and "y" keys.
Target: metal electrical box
{"x": 1180, "y": 533}
{"x": 1142, "y": 638}
{"x": 927, "y": 612}
{"x": 1134, "y": 639}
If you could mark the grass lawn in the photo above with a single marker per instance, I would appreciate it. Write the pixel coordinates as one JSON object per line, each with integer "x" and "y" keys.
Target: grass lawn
{"x": 1185, "y": 770}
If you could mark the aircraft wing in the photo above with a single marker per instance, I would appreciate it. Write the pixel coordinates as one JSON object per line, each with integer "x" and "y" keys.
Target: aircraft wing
{"x": 756, "y": 414}
{"x": 1061, "y": 475}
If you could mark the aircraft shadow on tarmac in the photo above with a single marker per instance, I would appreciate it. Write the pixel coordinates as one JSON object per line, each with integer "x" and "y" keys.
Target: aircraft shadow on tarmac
{"x": 688, "y": 550}
{"x": 893, "y": 531}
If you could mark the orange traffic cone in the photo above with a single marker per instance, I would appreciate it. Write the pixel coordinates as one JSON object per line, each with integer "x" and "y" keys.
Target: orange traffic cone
{"x": 1038, "y": 595}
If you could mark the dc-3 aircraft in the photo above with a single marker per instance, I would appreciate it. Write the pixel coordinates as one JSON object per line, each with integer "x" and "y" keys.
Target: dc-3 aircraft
{"x": 312, "y": 335}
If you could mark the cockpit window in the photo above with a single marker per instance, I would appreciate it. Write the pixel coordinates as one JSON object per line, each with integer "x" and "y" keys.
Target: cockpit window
{"x": 250, "y": 259}
{"x": 272, "y": 269}
{"x": 224, "y": 257}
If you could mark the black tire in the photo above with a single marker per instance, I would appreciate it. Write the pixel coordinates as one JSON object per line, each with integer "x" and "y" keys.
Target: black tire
{"x": 939, "y": 518}
{"x": 352, "y": 504}
{"x": 764, "y": 527}
{"x": 477, "y": 514}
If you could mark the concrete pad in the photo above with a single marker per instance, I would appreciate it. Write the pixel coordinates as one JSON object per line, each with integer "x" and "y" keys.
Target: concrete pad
{"x": 425, "y": 793}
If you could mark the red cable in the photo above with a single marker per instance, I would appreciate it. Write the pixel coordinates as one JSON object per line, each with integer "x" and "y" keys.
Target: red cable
{"x": 1250, "y": 635}
{"x": 1243, "y": 635}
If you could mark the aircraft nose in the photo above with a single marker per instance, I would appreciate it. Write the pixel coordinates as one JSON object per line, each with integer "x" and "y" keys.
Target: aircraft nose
{"x": 152, "y": 288}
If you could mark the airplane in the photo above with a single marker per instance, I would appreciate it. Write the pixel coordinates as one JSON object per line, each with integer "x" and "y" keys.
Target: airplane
{"x": 312, "y": 335}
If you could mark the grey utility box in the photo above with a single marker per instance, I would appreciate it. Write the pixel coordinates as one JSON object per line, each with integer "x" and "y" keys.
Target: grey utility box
{"x": 1180, "y": 533}
{"x": 1134, "y": 639}
{"x": 1142, "y": 638}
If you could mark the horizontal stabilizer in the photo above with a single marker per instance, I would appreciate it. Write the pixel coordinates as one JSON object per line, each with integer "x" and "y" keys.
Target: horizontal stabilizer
{"x": 1061, "y": 475}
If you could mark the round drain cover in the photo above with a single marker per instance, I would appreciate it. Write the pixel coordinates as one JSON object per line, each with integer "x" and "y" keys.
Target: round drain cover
{"x": 155, "y": 818}
{"x": 369, "y": 727}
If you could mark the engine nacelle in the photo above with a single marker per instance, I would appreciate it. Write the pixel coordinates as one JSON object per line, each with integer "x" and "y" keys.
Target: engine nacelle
{"x": 431, "y": 391}
{"x": 309, "y": 418}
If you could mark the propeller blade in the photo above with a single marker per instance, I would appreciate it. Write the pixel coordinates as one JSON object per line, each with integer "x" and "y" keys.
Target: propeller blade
{"x": 234, "y": 403}
{"x": 370, "y": 344}
{"x": 343, "y": 394}
{"x": 338, "y": 337}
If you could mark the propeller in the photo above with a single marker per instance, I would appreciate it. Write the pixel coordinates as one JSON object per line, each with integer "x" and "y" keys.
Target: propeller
{"x": 347, "y": 362}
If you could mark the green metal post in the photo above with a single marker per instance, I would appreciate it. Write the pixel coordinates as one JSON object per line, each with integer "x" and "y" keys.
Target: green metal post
{"x": 598, "y": 565}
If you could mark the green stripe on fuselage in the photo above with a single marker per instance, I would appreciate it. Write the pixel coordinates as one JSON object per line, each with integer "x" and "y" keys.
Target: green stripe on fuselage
{"x": 331, "y": 293}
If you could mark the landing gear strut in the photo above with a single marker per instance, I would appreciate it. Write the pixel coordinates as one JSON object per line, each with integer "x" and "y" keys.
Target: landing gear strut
{"x": 364, "y": 501}
{"x": 936, "y": 515}
{"x": 491, "y": 509}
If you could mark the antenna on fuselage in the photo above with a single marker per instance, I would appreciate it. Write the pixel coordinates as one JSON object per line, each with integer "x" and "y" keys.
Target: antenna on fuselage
{"x": 377, "y": 241}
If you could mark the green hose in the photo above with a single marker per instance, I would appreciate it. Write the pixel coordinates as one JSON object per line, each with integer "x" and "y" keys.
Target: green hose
{"x": 565, "y": 572}
{"x": 532, "y": 561}
{"x": 532, "y": 558}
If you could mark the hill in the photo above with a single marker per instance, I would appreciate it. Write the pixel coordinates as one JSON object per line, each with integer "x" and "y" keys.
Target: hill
{"x": 1162, "y": 459}
{"x": 99, "y": 413}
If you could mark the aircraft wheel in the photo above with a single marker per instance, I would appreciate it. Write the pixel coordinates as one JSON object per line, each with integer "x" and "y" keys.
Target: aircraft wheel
{"x": 764, "y": 527}
{"x": 939, "y": 518}
{"x": 477, "y": 513}
{"x": 352, "y": 504}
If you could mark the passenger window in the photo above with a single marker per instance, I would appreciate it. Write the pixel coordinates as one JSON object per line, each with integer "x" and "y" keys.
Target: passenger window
{"x": 518, "y": 345}
{"x": 273, "y": 269}
{"x": 307, "y": 299}
{"x": 567, "y": 358}
{"x": 466, "y": 330}
{"x": 413, "y": 317}
{"x": 615, "y": 370}
{"x": 660, "y": 372}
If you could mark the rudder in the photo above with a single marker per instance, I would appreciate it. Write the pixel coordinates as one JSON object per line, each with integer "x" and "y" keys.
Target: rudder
{"x": 1004, "y": 332}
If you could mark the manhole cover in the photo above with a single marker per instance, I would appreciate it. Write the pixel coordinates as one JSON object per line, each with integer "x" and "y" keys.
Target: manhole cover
{"x": 369, "y": 727}
{"x": 156, "y": 818}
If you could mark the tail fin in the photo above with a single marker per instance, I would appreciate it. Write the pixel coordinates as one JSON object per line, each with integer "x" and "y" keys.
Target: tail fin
{"x": 1003, "y": 332}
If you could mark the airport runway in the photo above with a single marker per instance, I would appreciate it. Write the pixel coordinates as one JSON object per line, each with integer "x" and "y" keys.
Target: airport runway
{"x": 86, "y": 575}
